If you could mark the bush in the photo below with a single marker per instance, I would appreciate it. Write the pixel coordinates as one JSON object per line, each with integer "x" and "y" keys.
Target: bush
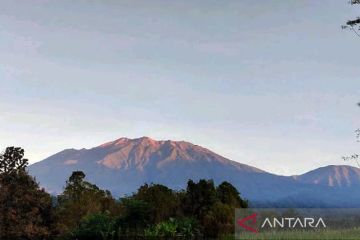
{"x": 95, "y": 226}
{"x": 134, "y": 217}
{"x": 186, "y": 228}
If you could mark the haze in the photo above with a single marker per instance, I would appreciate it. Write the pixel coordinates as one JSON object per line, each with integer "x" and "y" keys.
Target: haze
{"x": 272, "y": 84}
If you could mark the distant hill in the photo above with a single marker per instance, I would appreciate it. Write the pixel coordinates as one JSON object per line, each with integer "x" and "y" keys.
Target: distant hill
{"x": 123, "y": 165}
{"x": 332, "y": 176}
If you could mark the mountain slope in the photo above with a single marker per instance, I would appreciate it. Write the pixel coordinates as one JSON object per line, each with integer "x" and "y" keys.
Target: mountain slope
{"x": 123, "y": 165}
{"x": 332, "y": 176}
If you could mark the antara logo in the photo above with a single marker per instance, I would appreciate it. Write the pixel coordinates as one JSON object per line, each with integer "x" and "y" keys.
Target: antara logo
{"x": 286, "y": 222}
{"x": 251, "y": 218}
{"x": 293, "y": 223}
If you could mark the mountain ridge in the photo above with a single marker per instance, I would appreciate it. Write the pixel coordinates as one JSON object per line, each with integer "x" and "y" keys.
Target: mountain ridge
{"x": 332, "y": 176}
{"x": 125, "y": 164}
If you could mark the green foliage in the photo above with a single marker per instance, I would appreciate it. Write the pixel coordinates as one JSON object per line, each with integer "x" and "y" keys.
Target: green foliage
{"x": 213, "y": 207}
{"x": 12, "y": 160}
{"x": 79, "y": 199}
{"x": 163, "y": 229}
{"x": 134, "y": 217}
{"x": 200, "y": 197}
{"x": 84, "y": 211}
{"x": 25, "y": 209}
{"x": 163, "y": 202}
{"x": 186, "y": 228}
{"x": 95, "y": 226}
{"x": 229, "y": 195}
{"x": 218, "y": 220}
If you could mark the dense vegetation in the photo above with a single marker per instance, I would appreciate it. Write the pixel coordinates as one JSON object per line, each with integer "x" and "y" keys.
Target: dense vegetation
{"x": 83, "y": 211}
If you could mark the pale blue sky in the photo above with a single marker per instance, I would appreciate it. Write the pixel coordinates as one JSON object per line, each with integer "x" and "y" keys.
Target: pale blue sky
{"x": 273, "y": 84}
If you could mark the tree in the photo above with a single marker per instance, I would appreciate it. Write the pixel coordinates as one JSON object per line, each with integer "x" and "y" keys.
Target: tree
{"x": 200, "y": 197}
{"x": 134, "y": 217}
{"x": 218, "y": 220}
{"x": 79, "y": 199}
{"x": 229, "y": 195}
{"x": 163, "y": 201}
{"x": 353, "y": 24}
{"x": 213, "y": 207}
{"x": 25, "y": 209}
{"x": 95, "y": 226}
{"x": 12, "y": 160}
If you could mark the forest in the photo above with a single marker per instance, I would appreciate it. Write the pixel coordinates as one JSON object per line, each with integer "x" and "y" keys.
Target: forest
{"x": 84, "y": 211}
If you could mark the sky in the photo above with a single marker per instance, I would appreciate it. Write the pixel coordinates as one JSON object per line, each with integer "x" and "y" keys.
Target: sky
{"x": 273, "y": 84}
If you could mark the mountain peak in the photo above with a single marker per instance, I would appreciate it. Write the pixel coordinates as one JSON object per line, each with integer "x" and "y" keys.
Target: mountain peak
{"x": 123, "y": 165}
{"x": 120, "y": 141}
{"x": 332, "y": 176}
{"x": 145, "y": 140}
{"x": 129, "y": 153}
{"x": 115, "y": 142}
{"x": 143, "y": 158}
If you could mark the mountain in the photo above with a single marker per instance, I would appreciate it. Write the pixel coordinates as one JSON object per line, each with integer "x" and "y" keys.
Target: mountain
{"x": 333, "y": 176}
{"x": 123, "y": 165}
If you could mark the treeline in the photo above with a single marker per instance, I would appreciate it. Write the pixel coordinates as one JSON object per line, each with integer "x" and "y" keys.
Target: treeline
{"x": 84, "y": 211}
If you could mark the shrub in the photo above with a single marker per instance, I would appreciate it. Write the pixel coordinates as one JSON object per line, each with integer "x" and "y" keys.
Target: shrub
{"x": 95, "y": 226}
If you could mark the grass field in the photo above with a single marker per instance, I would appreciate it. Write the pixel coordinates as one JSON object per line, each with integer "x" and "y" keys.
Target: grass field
{"x": 349, "y": 234}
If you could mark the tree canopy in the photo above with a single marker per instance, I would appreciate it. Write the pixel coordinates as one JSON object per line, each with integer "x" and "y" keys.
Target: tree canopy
{"x": 25, "y": 208}
{"x": 79, "y": 199}
{"x": 12, "y": 160}
{"x": 84, "y": 211}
